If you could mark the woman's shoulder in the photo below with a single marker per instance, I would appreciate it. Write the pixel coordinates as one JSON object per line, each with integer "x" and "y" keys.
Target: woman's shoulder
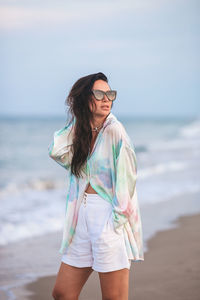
{"x": 117, "y": 131}
{"x": 67, "y": 128}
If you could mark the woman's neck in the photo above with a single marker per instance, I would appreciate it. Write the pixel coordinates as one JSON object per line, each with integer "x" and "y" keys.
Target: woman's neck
{"x": 98, "y": 121}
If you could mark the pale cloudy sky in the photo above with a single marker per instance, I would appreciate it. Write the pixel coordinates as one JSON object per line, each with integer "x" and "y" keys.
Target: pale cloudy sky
{"x": 149, "y": 50}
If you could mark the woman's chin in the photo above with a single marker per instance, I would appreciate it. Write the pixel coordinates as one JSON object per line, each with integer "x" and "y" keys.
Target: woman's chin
{"x": 102, "y": 113}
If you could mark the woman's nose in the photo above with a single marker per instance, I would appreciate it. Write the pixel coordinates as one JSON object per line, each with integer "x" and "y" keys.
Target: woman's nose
{"x": 105, "y": 98}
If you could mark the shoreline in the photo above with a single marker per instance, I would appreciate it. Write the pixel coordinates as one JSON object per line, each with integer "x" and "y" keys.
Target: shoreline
{"x": 35, "y": 261}
{"x": 171, "y": 269}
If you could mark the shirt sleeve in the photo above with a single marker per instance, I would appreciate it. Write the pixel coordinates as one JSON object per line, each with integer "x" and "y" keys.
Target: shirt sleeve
{"x": 60, "y": 148}
{"x": 124, "y": 204}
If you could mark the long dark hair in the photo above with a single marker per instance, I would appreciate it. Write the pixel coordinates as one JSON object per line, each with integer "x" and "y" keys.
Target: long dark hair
{"x": 78, "y": 101}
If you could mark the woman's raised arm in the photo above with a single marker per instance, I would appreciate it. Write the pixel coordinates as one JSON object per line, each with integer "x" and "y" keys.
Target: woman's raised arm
{"x": 60, "y": 148}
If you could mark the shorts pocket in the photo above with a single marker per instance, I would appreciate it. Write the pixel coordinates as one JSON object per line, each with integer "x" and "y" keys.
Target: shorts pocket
{"x": 117, "y": 231}
{"x": 110, "y": 221}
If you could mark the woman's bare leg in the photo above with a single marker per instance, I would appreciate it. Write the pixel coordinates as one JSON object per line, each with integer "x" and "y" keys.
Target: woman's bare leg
{"x": 115, "y": 284}
{"x": 69, "y": 282}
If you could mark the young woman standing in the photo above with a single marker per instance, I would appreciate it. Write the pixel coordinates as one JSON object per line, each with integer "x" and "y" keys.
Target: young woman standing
{"x": 102, "y": 230}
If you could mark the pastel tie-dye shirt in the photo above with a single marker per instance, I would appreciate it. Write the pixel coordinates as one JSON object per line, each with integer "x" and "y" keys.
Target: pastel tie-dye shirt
{"x": 111, "y": 169}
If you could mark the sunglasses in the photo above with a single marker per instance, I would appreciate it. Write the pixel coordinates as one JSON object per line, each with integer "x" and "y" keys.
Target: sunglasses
{"x": 99, "y": 95}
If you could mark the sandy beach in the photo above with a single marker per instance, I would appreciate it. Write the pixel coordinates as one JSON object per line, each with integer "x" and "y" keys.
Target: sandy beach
{"x": 171, "y": 269}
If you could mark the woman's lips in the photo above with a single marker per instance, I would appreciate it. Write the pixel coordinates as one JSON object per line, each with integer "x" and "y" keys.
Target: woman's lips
{"x": 105, "y": 107}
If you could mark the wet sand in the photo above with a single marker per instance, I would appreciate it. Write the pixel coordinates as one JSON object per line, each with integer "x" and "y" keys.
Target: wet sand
{"x": 171, "y": 269}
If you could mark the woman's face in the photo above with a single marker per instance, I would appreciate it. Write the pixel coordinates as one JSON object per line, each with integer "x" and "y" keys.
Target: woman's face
{"x": 103, "y": 106}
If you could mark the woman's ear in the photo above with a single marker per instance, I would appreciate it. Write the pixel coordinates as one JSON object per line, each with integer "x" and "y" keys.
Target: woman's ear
{"x": 92, "y": 105}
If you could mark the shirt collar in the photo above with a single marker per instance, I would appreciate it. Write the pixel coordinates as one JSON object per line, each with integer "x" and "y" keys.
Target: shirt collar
{"x": 109, "y": 119}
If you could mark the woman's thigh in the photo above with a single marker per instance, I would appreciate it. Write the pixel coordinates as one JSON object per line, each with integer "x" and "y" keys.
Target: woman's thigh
{"x": 70, "y": 280}
{"x": 115, "y": 284}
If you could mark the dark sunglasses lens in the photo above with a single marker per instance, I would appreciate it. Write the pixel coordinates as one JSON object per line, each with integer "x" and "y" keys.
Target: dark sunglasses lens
{"x": 111, "y": 95}
{"x": 98, "y": 95}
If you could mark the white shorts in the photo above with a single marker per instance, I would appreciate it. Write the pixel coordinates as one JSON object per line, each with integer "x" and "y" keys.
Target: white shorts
{"x": 95, "y": 243}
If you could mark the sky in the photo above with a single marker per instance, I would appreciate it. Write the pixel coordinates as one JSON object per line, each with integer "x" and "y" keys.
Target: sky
{"x": 148, "y": 49}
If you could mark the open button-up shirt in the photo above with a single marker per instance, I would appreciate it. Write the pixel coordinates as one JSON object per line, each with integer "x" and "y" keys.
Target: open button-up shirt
{"x": 111, "y": 169}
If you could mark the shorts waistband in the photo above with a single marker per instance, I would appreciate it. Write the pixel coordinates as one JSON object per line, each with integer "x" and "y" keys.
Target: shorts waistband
{"x": 94, "y": 199}
{"x": 88, "y": 195}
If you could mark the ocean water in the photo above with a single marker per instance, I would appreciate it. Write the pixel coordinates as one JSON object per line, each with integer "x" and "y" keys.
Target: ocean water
{"x": 33, "y": 186}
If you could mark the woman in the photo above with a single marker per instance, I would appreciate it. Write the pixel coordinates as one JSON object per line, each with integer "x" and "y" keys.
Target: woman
{"x": 102, "y": 229}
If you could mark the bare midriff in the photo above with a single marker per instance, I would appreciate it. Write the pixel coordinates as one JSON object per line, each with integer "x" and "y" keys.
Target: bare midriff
{"x": 90, "y": 190}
